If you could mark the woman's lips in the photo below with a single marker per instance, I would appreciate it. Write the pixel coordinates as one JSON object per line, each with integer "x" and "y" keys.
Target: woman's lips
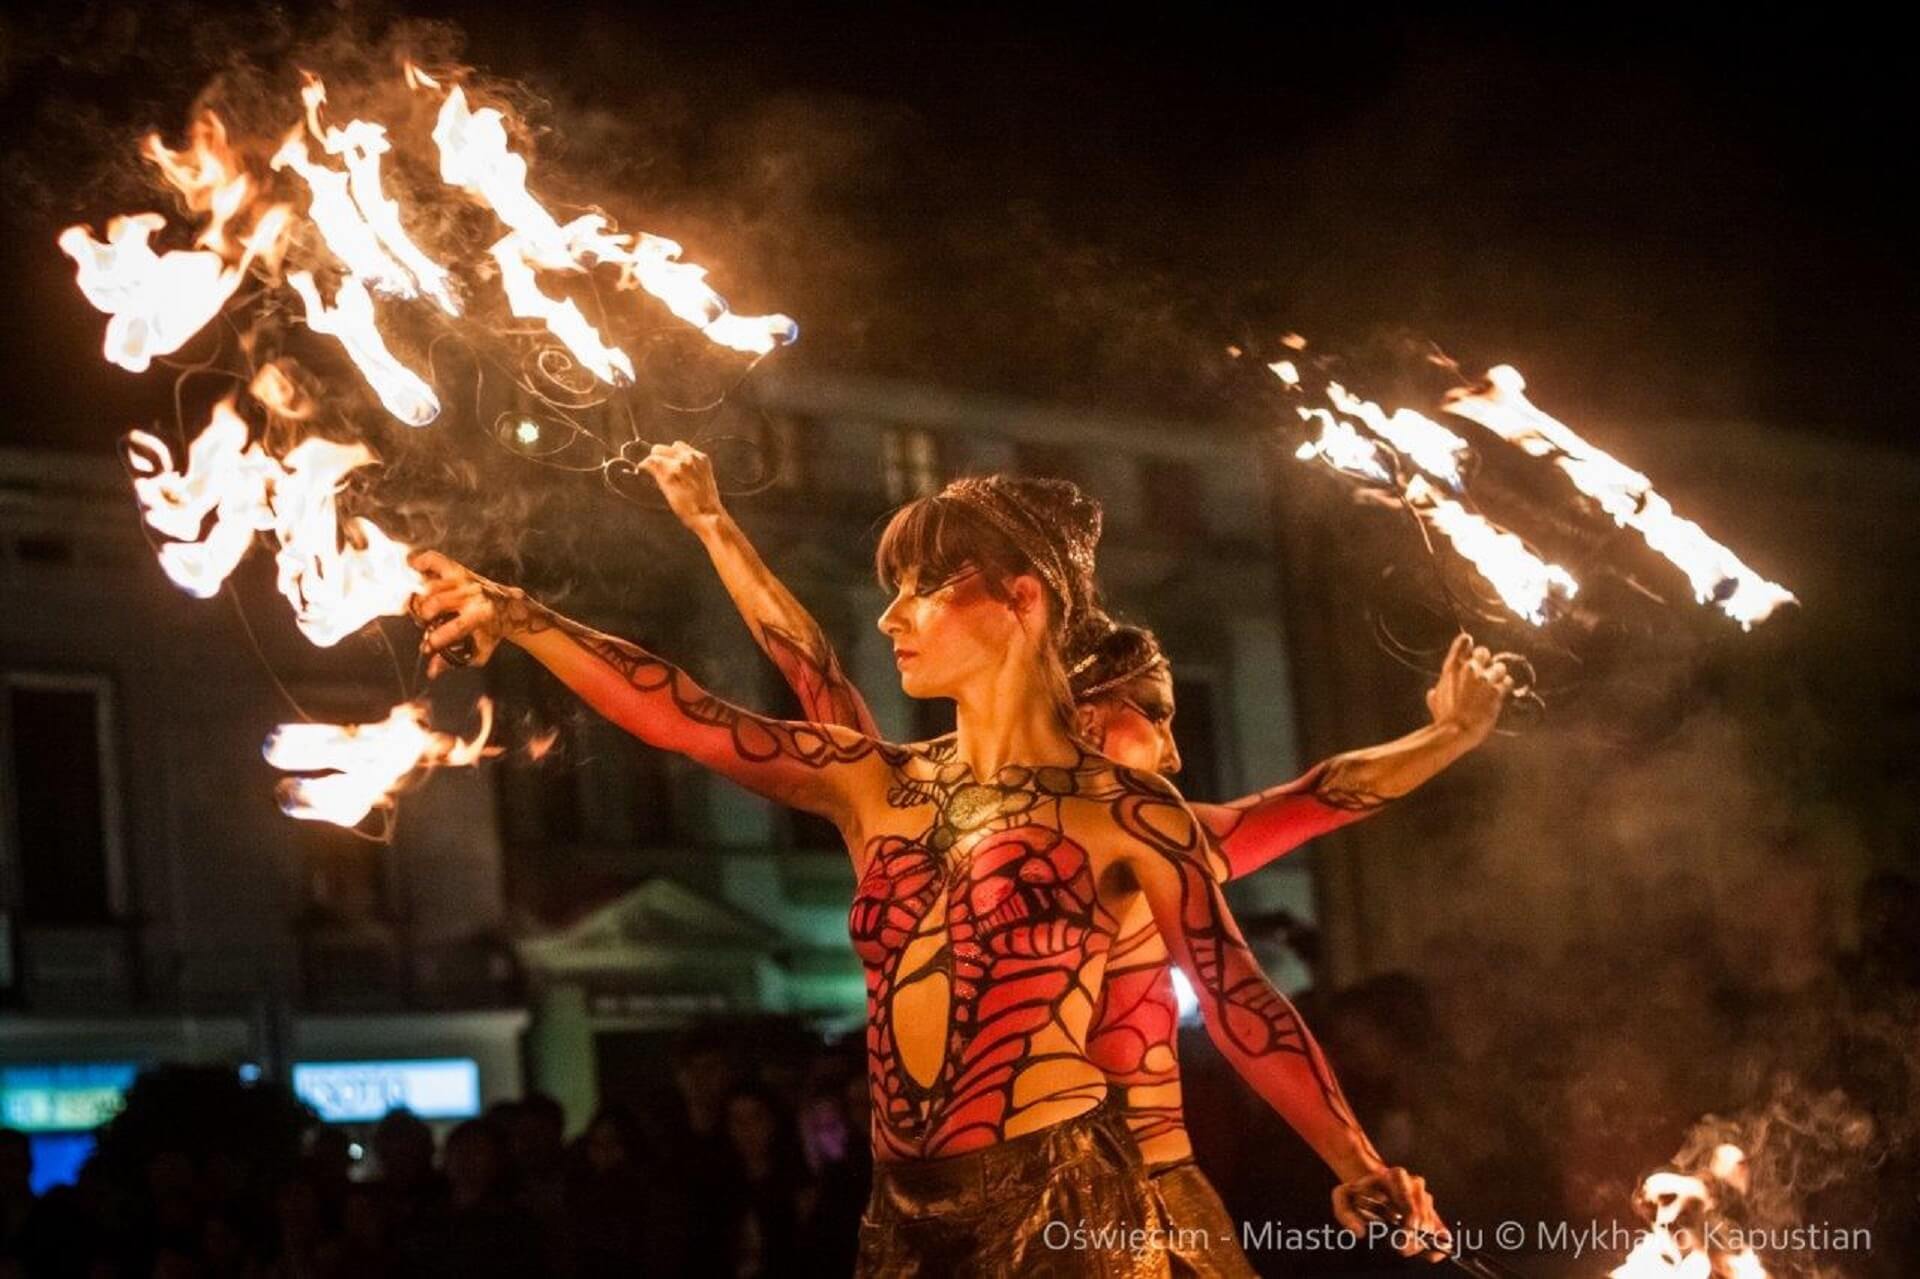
{"x": 901, "y": 656}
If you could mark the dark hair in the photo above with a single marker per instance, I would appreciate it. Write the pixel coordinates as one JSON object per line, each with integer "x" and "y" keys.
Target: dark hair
{"x": 964, "y": 525}
{"x": 1112, "y": 657}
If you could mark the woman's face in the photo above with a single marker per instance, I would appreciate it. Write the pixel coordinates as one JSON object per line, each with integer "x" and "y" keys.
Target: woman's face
{"x": 1133, "y": 724}
{"x": 947, "y": 633}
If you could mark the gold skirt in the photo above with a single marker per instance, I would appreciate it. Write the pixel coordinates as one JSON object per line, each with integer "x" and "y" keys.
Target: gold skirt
{"x": 1201, "y": 1238}
{"x": 1064, "y": 1202}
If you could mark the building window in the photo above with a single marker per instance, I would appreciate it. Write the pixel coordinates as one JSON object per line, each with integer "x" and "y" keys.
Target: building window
{"x": 910, "y": 463}
{"x": 1172, "y": 496}
{"x": 63, "y": 839}
{"x": 1196, "y": 732}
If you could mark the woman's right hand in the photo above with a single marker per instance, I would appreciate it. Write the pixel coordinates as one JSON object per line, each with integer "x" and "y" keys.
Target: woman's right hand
{"x": 685, "y": 477}
{"x": 456, "y": 604}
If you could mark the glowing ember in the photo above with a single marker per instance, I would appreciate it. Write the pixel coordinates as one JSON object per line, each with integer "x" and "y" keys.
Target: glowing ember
{"x": 359, "y": 767}
{"x": 350, "y": 319}
{"x": 1717, "y": 575}
{"x": 1529, "y": 585}
{"x": 1284, "y": 370}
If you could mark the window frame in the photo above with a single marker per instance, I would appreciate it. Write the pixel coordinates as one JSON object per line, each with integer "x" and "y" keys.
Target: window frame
{"x": 113, "y": 842}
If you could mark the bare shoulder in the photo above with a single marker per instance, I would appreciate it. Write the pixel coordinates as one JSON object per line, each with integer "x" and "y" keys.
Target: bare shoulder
{"x": 1152, "y": 817}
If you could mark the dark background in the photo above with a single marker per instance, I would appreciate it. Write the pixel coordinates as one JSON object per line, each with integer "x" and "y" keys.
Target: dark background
{"x": 1658, "y": 214}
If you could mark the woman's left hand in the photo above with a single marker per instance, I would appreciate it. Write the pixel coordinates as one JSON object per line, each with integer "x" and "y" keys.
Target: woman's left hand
{"x": 1474, "y": 685}
{"x": 456, "y": 605}
{"x": 1396, "y": 1199}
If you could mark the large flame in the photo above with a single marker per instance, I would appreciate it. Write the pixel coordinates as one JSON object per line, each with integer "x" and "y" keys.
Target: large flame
{"x": 477, "y": 156}
{"x": 1530, "y": 586}
{"x": 355, "y": 768}
{"x": 337, "y": 580}
{"x": 1427, "y": 444}
{"x": 360, "y": 144}
{"x": 155, "y": 302}
{"x": 1676, "y": 1242}
{"x": 1716, "y": 573}
{"x": 402, "y": 392}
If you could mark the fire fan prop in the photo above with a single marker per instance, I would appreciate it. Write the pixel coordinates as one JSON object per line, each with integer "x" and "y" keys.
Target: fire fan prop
{"x": 300, "y": 231}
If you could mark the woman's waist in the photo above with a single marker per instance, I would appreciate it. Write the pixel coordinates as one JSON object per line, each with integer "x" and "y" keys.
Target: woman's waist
{"x": 1005, "y": 1166}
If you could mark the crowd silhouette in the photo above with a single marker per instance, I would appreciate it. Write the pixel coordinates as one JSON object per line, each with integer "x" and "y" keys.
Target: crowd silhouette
{"x": 753, "y": 1163}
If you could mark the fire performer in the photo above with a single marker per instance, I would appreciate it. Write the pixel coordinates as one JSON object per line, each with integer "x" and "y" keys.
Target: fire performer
{"x": 994, "y": 867}
{"x": 1123, "y": 694}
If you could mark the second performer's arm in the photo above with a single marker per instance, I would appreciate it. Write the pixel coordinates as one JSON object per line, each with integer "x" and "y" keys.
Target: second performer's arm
{"x": 1256, "y": 1027}
{"x": 1464, "y": 703}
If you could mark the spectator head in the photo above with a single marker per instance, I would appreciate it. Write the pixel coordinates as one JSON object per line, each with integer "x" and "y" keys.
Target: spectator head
{"x": 613, "y": 1141}
{"x": 703, "y": 1071}
{"x": 536, "y": 1131}
{"x": 761, "y": 1132}
{"x": 16, "y": 1162}
{"x": 403, "y": 1148}
{"x": 477, "y": 1162}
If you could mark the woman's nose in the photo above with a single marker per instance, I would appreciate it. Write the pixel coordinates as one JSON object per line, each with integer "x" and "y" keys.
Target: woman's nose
{"x": 891, "y": 622}
{"x": 1169, "y": 753}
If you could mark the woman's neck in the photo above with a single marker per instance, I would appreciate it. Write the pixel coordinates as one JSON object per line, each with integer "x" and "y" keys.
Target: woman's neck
{"x": 1010, "y": 719}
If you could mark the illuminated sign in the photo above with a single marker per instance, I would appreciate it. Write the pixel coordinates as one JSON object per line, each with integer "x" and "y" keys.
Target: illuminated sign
{"x": 64, "y": 1097}
{"x": 361, "y": 1091}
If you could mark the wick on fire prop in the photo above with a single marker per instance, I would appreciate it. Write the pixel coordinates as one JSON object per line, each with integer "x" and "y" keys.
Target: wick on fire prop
{"x": 324, "y": 228}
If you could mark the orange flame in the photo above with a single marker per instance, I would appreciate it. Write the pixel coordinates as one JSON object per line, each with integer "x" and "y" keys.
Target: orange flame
{"x": 1675, "y": 1249}
{"x": 1429, "y": 445}
{"x": 361, "y": 143}
{"x": 358, "y": 767}
{"x": 350, "y": 319}
{"x": 336, "y": 584}
{"x": 562, "y": 318}
{"x": 1529, "y": 585}
{"x": 476, "y": 155}
{"x": 1716, "y": 574}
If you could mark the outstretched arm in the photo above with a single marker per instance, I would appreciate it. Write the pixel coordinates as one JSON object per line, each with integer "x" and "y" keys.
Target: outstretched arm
{"x": 785, "y": 631}
{"x": 819, "y": 768}
{"x": 1255, "y": 1027}
{"x": 1465, "y": 704}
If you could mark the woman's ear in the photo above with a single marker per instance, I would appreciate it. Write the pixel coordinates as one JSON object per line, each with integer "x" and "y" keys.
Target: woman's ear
{"x": 1027, "y": 598}
{"x": 1091, "y": 724}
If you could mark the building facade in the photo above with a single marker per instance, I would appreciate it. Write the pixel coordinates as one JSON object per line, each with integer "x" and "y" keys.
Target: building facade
{"x": 554, "y": 920}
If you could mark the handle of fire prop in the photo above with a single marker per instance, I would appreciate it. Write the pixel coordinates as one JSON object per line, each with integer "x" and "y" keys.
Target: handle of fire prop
{"x": 459, "y": 653}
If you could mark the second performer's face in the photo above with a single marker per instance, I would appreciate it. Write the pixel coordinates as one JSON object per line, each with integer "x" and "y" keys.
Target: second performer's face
{"x": 1133, "y": 725}
{"x": 949, "y": 633}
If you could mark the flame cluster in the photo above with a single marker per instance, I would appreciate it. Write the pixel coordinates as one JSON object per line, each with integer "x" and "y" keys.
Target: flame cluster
{"x": 1422, "y": 460}
{"x": 318, "y": 221}
{"x": 1676, "y": 1244}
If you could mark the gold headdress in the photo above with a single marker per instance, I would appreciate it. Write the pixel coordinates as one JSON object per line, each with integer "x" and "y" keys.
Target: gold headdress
{"x": 1051, "y": 523}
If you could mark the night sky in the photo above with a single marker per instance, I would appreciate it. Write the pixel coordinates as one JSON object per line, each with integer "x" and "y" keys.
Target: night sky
{"x": 1661, "y": 217}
